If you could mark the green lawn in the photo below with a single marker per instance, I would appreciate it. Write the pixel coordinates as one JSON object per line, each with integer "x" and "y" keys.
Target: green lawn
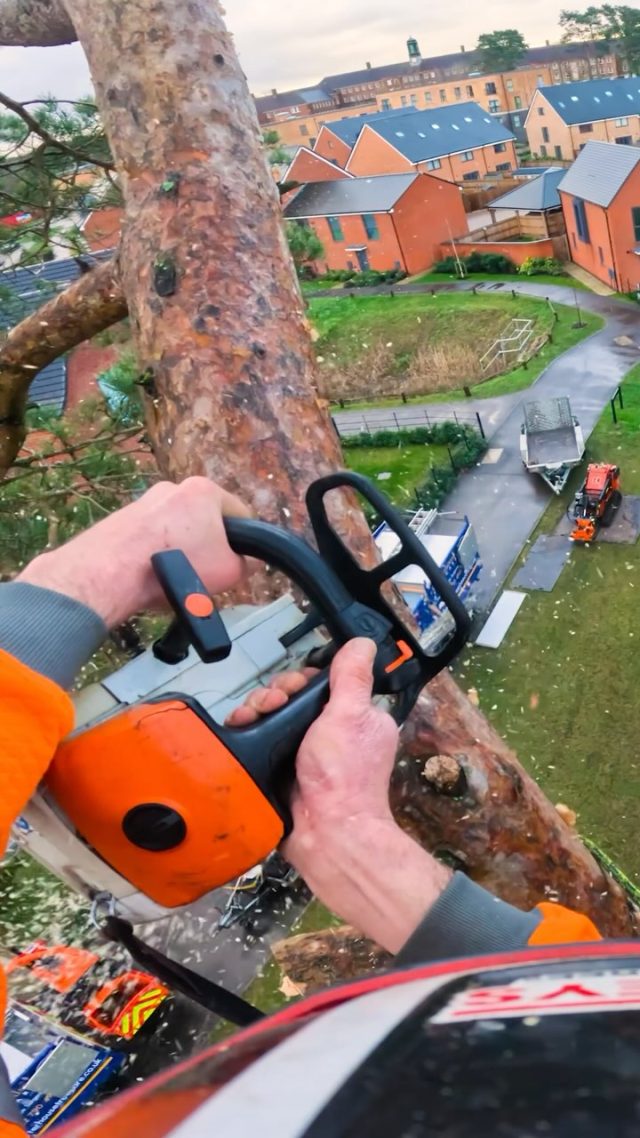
{"x": 564, "y": 688}
{"x": 512, "y": 279}
{"x": 407, "y": 465}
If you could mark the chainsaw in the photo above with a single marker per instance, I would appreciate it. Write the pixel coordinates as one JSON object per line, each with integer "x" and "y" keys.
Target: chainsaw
{"x": 152, "y": 800}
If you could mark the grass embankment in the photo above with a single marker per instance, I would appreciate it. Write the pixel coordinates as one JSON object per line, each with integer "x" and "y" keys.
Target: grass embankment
{"x": 401, "y": 326}
{"x": 564, "y": 688}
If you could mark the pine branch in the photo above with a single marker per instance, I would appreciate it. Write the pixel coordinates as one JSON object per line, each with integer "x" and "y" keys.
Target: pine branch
{"x": 36, "y": 128}
{"x": 35, "y": 23}
{"x": 92, "y": 303}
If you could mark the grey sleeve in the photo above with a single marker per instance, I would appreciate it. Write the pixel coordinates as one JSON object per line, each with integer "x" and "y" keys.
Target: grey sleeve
{"x": 466, "y": 920}
{"x": 48, "y": 631}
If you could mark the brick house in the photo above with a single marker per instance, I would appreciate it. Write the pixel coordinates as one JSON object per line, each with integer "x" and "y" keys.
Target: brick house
{"x": 460, "y": 144}
{"x": 307, "y": 166}
{"x": 387, "y": 222}
{"x": 337, "y": 139}
{"x": 600, "y": 196}
{"x": 563, "y": 118}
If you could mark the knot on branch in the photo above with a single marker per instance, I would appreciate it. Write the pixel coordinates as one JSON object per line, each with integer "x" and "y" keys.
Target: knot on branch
{"x": 445, "y": 775}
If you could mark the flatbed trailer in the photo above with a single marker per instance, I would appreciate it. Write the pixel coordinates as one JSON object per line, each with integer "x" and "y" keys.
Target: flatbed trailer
{"x": 551, "y": 441}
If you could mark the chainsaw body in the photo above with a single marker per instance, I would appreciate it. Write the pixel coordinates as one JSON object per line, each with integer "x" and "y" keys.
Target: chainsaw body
{"x": 152, "y": 799}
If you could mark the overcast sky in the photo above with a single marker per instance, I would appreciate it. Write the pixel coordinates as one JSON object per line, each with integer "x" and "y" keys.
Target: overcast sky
{"x": 284, "y": 45}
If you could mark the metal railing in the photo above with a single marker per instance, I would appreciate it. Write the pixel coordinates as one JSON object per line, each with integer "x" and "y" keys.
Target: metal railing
{"x": 513, "y": 341}
{"x": 420, "y": 417}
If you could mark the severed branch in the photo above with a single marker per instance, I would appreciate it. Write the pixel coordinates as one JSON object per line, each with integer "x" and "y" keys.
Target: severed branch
{"x": 94, "y": 302}
{"x": 36, "y": 128}
{"x": 35, "y": 23}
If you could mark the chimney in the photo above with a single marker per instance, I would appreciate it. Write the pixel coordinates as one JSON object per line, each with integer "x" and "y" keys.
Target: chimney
{"x": 274, "y": 91}
{"x": 547, "y": 43}
{"x": 368, "y": 66}
{"x": 415, "y": 58}
{"x": 462, "y": 49}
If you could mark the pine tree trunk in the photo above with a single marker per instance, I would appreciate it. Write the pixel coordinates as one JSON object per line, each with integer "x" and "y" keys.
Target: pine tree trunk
{"x": 220, "y": 326}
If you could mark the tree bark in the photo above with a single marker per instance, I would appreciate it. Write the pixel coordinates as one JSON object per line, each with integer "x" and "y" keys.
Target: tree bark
{"x": 35, "y": 23}
{"x": 320, "y": 959}
{"x": 221, "y": 330}
{"x": 94, "y": 302}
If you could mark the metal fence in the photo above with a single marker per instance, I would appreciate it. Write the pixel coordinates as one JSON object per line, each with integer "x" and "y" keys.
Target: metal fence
{"x": 358, "y": 424}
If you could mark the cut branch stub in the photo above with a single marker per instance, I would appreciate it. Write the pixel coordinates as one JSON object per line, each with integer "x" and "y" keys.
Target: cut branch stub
{"x": 35, "y": 23}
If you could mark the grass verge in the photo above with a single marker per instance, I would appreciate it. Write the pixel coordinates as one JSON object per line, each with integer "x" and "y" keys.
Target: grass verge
{"x": 512, "y": 279}
{"x": 407, "y": 466}
{"x": 563, "y": 687}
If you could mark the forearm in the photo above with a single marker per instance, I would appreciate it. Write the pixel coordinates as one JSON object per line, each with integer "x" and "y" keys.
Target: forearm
{"x": 49, "y": 631}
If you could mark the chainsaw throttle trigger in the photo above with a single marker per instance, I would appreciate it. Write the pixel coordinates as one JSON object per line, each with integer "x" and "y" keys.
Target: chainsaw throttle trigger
{"x": 198, "y": 621}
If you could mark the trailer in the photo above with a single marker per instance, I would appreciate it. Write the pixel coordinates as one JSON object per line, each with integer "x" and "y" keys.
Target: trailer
{"x": 551, "y": 441}
{"x": 451, "y": 541}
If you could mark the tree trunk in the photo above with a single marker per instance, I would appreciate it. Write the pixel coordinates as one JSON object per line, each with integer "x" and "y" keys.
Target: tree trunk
{"x": 92, "y": 303}
{"x": 320, "y": 959}
{"x": 220, "y": 326}
{"x": 35, "y": 23}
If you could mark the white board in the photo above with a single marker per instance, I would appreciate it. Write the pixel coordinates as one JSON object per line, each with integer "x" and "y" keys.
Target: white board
{"x": 501, "y": 619}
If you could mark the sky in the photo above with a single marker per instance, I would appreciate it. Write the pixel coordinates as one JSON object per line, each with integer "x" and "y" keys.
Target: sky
{"x": 286, "y": 45}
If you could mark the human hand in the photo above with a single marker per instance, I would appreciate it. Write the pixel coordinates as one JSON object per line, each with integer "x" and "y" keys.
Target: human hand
{"x": 108, "y": 567}
{"x": 345, "y": 842}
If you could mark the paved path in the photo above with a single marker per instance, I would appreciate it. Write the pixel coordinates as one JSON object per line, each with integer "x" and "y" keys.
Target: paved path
{"x": 502, "y": 500}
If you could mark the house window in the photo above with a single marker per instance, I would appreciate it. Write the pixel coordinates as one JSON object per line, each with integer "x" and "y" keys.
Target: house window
{"x": 494, "y": 106}
{"x": 335, "y": 228}
{"x": 517, "y": 120}
{"x": 467, "y": 156}
{"x": 500, "y": 148}
{"x": 434, "y": 164}
{"x": 586, "y": 128}
{"x": 558, "y": 151}
{"x": 621, "y": 122}
{"x": 427, "y": 96}
{"x": 624, "y": 140}
{"x": 490, "y": 89}
{"x": 471, "y": 177}
{"x": 469, "y": 90}
{"x": 509, "y": 84}
{"x": 414, "y": 100}
{"x": 403, "y": 100}
{"x": 304, "y": 130}
{"x": 541, "y": 110}
{"x": 545, "y": 134}
{"x": 386, "y": 104}
{"x": 457, "y": 92}
{"x": 543, "y": 151}
{"x": 517, "y": 102}
{"x": 580, "y": 215}
{"x": 635, "y": 218}
{"x": 371, "y": 226}
{"x": 443, "y": 95}
{"x": 503, "y": 166}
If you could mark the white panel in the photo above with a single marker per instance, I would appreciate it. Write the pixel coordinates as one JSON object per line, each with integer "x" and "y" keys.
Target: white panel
{"x": 501, "y": 619}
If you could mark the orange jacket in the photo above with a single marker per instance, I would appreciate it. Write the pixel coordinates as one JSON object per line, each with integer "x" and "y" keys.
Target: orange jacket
{"x": 36, "y": 714}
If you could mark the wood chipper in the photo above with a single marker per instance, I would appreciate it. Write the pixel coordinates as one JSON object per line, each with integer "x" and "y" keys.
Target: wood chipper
{"x": 597, "y": 502}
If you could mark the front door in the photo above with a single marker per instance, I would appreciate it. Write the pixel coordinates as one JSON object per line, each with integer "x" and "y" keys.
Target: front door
{"x": 363, "y": 260}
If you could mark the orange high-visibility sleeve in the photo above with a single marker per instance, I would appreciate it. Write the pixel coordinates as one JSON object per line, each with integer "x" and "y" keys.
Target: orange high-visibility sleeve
{"x": 562, "y": 926}
{"x": 10, "y": 1130}
{"x": 35, "y": 714}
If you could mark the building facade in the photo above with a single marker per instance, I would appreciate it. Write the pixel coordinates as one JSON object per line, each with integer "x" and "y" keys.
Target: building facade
{"x": 391, "y": 222}
{"x": 600, "y": 196}
{"x": 563, "y": 118}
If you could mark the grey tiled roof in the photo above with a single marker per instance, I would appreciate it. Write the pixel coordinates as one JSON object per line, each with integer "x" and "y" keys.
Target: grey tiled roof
{"x": 535, "y": 194}
{"x": 594, "y": 99}
{"x": 600, "y": 171}
{"x": 349, "y": 129}
{"x": 23, "y": 291}
{"x": 349, "y": 195}
{"x": 424, "y": 135}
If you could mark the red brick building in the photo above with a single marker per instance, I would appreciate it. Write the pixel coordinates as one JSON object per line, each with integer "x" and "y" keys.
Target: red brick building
{"x": 600, "y": 196}
{"x": 307, "y": 166}
{"x": 393, "y": 221}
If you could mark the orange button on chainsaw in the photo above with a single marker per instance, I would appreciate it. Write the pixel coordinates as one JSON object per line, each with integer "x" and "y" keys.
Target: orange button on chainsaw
{"x": 405, "y": 654}
{"x": 198, "y": 604}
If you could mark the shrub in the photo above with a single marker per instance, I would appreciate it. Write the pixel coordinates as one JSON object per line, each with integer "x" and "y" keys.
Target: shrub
{"x": 534, "y": 266}
{"x": 476, "y": 262}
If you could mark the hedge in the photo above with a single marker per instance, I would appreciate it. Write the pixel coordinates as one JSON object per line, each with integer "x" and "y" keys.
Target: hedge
{"x": 466, "y": 448}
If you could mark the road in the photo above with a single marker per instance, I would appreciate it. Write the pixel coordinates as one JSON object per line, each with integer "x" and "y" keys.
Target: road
{"x": 502, "y": 500}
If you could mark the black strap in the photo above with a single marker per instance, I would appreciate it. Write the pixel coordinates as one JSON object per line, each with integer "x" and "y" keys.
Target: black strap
{"x": 180, "y": 978}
